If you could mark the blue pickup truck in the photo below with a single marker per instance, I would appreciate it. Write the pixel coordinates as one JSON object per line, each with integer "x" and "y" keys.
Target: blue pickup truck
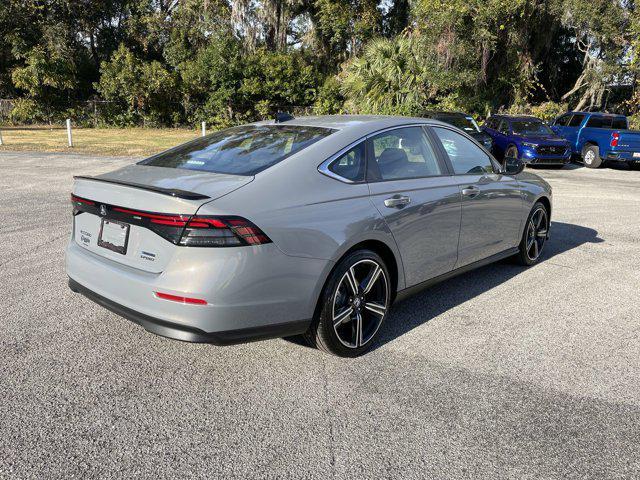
{"x": 599, "y": 137}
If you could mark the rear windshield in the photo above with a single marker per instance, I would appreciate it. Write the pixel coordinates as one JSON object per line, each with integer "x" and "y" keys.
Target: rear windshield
{"x": 243, "y": 150}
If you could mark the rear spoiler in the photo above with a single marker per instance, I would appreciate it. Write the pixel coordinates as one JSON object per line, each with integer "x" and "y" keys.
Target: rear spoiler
{"x": 173, "y": 192}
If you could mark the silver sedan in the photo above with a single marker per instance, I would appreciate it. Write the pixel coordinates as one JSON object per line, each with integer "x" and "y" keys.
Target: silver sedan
{"x": 311, "y": 226}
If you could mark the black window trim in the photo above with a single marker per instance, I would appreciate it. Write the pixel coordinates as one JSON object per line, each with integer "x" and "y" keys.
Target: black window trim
{"x": 373, "y": 174}
{"x": 369, "y": 178}
{"x": 495, "y": 164}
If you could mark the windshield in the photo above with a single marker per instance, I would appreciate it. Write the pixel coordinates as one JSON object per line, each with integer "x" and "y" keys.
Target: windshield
{"x": 467, "y": 124}
{"x": 243, "y": 150}
{"x": 530, "y": 127}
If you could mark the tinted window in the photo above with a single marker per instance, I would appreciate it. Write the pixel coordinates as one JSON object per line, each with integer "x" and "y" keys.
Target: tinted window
{"x": 404, "y": 153}
{"x": 619, "y": 123}
{"x": 576, "y": 120}
{"x": 351, "y": 164}
{"x": 530, "y": 127}
{"x": 243, "y": 150}
{"x": 563, "y": 121}
{"x": 598, "y": 122}
{"x": 503, "y": 128}
{"x": 465, "y": 156}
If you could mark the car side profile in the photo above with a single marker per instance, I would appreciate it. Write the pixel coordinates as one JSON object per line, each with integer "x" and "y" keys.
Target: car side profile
{"x": 599, "y": 137}
{"x": 312, "y": 226}
{"x": 527, "y": 138}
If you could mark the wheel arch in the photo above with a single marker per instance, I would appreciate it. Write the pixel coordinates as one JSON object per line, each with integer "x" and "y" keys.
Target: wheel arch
{"x": 387, "y": 251}
{"x": 547, "y": 204}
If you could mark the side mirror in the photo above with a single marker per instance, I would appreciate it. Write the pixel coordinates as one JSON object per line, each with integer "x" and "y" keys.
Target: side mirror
{"x": 512, "y": 166}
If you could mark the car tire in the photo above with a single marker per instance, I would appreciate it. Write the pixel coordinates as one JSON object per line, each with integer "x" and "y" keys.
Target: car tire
{"x": 536, "y": 229}
{"x": 591, "y": 156}
{"x": 512, "y": 151}
{"x": 346, "y": 323}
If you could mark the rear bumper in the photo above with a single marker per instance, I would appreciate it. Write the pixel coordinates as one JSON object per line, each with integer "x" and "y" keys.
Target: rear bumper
{"x": 251, "y": 292}
{"x": 191, "y": 334}
{"x": 621, "y": 156}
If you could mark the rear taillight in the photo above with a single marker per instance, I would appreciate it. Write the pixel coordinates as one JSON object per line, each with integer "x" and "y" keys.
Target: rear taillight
{"x": 187, "y": 230}
{"x": 615, "y": 138}
{"x": 205, "y": 231}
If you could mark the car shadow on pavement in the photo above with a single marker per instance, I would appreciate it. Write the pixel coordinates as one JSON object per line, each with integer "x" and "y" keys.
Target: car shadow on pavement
{"x": 433, "y": 301}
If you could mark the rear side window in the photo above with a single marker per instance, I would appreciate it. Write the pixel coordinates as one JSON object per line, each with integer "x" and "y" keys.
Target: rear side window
{"x": 351, "y": 165}
{"x": 619, "y": 123}
{"x": 576, "y": 120}
{"x": 243, "y": 150}
{"x": 598, "y": 122}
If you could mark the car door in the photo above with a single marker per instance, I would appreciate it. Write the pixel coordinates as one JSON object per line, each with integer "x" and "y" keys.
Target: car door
{"x": 560, "y": 124}
{"x": 492, "y": 205}
{"x": 411, "y": 187}
{"x": 571, "y": 131}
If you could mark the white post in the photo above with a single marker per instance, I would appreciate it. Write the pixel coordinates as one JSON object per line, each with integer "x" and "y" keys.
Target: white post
{"x": 1, "y": 142}
{"x": 204, "y": 129}
{"x": 69, "y": 138}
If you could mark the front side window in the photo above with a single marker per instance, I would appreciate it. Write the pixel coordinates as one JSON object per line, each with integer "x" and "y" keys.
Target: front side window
{"x": 503, "y": 128}
{"x": 563, "y": 121}
{"x": 530, "y": 127}
{"x": 243, "y": 150}
{"x": 576, "y": 120}
{"x": 466, "y": 157}
{"x": 404, "y": 153}
{"x": 350, "y": 165}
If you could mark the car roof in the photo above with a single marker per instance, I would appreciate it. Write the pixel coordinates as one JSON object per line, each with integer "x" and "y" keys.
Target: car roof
{"x": 449, "y": 114}
{"x": 604, "y": 114}
{"x": 355, "y": 123}
{"x": 517, "y": 117}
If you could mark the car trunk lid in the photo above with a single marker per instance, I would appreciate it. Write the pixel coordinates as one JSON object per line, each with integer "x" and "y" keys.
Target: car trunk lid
{"x": 135, "y": 216}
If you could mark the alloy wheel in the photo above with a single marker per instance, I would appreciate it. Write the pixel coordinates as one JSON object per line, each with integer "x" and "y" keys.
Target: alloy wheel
{"x": 360, "y": 303}
{"x": 589, "y": 157}
{"x": 537, "y": 233}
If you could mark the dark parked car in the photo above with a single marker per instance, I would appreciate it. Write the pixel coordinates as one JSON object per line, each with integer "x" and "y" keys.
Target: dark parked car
{"x": 466, "y": 123}
{"x": 527, "y": 138}
{"x": 599, "y": 137}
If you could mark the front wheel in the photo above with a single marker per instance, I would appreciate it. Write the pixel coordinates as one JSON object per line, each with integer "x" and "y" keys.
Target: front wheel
{"x": 591, "y": 156}
{"x": 535, "y": 235}
{"x": 353, "y": 305}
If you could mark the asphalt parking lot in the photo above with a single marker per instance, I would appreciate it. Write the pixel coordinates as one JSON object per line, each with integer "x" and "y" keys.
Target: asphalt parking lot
{"x": 505, "y": 372}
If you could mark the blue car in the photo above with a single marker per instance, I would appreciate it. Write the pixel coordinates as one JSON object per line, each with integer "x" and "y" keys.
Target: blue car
{"x": 599, "y": 137}
{"x": 528, "y": 139}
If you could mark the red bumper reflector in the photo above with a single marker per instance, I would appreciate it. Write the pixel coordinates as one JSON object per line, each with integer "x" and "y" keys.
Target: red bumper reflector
{"x": 176, "y": 298}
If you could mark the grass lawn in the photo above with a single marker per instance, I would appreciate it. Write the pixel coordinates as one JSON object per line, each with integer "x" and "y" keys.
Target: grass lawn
{"x": 126, "y": 142}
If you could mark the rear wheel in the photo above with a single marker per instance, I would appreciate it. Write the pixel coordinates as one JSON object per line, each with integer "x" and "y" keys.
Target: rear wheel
{"x": 353, "y": 306}
{"x": 591, "y": 156}
{"x": 535, "y": 235}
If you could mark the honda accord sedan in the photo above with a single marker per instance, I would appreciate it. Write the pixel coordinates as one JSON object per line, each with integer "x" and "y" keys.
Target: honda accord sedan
{"x": 310, "y": 226}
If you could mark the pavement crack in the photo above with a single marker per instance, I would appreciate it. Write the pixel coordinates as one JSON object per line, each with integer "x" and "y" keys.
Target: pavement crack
{"x": 33, "y": 249}
{"x": 332, "y": 441}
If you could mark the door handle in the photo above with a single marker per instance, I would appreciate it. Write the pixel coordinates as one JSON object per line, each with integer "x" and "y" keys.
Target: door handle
{"x": 471, "y": 191}
{"x": 397, "y": 201}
